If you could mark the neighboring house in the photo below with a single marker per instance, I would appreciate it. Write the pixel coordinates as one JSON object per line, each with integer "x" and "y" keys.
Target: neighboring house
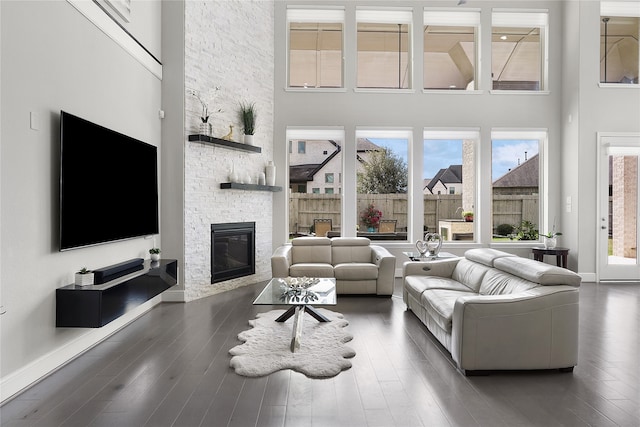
{"x": 523, "y": 179}
{"x": 446, "y": 181}
{"x": 315, "y": 166}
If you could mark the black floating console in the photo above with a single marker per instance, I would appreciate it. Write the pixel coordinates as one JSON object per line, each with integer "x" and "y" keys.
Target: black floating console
{"x": 112, "y": 272}
{"x": 96, "y": 305}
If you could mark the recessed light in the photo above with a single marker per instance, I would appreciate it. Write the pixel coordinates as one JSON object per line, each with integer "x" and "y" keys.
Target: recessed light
{"x": 503, "y": 37}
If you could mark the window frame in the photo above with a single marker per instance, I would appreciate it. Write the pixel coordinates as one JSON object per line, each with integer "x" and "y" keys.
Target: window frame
{"x": 524, "y": 18}
{"x": 470, "y": 17}
{"x": 618, "y": 9}
{"x": 544, "y": 222}
{"x": 387, "y": 15}
{"x": 315, "y": 14}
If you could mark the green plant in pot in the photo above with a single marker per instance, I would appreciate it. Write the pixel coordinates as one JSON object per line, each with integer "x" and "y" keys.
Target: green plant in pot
{"x": 468, "y": 216}
{"x": 84, "y": 277}
{"x": 248, "y": 117}
{"x": 155, "y": 254}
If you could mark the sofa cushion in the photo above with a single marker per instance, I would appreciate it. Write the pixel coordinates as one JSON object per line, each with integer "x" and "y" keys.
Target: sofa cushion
{"x": 497, "y": 282}
{"x": 350, "y": 249}
{"x": 416, "y": 285}
{"x": 311, "y": 269}
{"x": 356, "y": 271}
{"x": 485, "y": 256}
{"x": 538, "y": 272}
{"x": 311, "y": 250}
{"x": 439, "y": 305}
{"x": 469, "y": 273}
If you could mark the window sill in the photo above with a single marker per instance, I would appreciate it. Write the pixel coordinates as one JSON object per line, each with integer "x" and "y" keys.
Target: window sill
{"x": 619, "y": 85}
{"x": 519, "y": 92}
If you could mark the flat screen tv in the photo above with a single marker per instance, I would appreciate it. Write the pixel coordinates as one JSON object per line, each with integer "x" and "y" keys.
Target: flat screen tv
{"x": 108, "y": 185}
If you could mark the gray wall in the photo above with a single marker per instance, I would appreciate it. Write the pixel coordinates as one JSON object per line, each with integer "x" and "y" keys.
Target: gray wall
{"x": 53, "y": 59}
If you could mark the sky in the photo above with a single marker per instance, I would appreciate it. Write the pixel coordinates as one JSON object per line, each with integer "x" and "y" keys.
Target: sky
{"x": 439, "y": 154}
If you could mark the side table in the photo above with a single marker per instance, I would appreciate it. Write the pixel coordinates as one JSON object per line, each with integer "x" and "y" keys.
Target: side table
{"x": 561, "y": 254}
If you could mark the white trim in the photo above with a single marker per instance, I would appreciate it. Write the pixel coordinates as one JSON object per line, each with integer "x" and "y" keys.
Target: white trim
{"x": 388, "y": 133}
{"x": 384, "y": 15}
{"x": 620, "y": 8}
{"x": 315, "y": 133}
{"x": 103, "y": 21}
{"x": 315, "y": 15}
{"x": 626, "y": 86}
{"x": 15, "y": 382}
{"x": 588, "y": 277}
{"x": 434, "y": 133}
{"x": 174, "y": 296}
{"x": 464, "y": 18}
{"x": 519, "y": 17}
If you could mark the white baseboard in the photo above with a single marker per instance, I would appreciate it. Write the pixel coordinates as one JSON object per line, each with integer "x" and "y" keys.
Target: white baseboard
{"x": 588, "y": 277}
{"x": 173, "y": 296}
{"x": 15, "y": 382}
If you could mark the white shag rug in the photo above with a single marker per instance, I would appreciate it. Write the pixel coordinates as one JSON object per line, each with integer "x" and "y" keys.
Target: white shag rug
{"x": 266, "y": 346}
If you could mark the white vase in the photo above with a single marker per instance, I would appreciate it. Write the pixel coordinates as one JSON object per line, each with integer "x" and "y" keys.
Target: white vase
{"x": 248, "y": 139}
{"x": 550, "y": 242}
{"x": 155, "y": 257}
{"x": 205, "y": 128}
{"x": 270, "y": 172}
{"x": 84, "y": 279}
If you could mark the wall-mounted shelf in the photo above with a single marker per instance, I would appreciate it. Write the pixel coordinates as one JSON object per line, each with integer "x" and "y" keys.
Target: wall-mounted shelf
{"x": 249, "y": 187}
{"x": 224, "y": 143}
{"x": 94, "y": 306}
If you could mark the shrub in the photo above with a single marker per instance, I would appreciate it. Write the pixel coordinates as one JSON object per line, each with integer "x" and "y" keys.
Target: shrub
{"x": 504, "y": 229}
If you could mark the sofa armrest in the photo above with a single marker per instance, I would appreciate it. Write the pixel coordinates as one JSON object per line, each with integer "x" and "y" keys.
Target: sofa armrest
{"x": 535, "y": 329}
{"x": 281, "y": 261}
{"x": 441, "y": 268}
{"x": 386, "y": 263}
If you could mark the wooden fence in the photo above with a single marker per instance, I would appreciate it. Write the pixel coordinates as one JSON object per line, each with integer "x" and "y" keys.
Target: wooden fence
{"x": 304, "y": 208}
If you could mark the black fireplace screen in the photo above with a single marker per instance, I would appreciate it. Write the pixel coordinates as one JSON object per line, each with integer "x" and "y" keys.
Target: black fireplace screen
{"x": 232, "y": 250}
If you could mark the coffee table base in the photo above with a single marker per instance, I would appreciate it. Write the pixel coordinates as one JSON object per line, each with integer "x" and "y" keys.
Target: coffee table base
{"x": 309, "y": 309}
{"x": 297, "y": 311}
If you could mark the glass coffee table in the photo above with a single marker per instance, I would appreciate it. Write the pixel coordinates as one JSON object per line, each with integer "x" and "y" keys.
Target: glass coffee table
{"x": 416, "y": 256}
{"x": 299, "y": 293}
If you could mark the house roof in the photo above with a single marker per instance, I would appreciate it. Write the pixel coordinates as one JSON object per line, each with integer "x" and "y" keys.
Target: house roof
{"x": 304, "y": 173}
{"x": 365, "y": 145}
{"x": 450, "y": 175}
{"x": 524, "y": 175}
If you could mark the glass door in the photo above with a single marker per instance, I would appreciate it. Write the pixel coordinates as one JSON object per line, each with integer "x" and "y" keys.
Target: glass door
{"x": 619, "y": 200}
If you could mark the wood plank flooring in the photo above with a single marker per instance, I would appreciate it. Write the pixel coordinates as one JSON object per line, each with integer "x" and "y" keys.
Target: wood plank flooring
{"x": 171, "y": 368}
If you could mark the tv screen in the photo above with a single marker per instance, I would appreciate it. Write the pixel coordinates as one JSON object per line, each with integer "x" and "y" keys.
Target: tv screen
{"x": 108, "y": 185}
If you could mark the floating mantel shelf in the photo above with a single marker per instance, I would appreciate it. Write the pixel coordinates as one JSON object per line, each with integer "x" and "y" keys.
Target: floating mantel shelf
{"x": 249, "y": 187}
{"x": 224, "y": 143}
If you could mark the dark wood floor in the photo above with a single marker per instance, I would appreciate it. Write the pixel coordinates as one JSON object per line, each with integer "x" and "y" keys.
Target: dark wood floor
{"x": 171, "y": 368}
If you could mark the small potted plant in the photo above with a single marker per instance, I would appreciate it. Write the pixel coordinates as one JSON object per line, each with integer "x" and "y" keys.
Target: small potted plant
{"x": 248, "y": 116}
{"x": 468, "y": 216}
{"x": 84, "y": 277}
{"x": 155, "y": 254}
{"x": 551, "y": 239}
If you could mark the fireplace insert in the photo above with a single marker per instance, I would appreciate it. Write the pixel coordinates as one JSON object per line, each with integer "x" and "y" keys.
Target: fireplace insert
{"x": 232, "y": 250}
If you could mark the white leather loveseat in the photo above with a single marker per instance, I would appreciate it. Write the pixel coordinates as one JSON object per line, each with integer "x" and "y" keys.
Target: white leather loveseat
{"x": 357, "y": 266}
{"x": 496, "y": 311}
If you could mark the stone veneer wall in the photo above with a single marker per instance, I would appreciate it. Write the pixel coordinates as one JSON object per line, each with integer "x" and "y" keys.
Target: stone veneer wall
{"x": 228, "y": 44}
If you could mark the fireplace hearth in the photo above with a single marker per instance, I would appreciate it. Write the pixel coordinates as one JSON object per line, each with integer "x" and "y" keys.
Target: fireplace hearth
{"x": 232, "y": 250}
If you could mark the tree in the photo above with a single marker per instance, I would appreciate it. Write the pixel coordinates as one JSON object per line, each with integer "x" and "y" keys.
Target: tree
{"x": 383, "y": 173}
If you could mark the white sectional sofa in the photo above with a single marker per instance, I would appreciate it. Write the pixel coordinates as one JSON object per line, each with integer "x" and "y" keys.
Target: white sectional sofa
{"x": 357, "y": 266}
{"x": 495, "y": 311}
